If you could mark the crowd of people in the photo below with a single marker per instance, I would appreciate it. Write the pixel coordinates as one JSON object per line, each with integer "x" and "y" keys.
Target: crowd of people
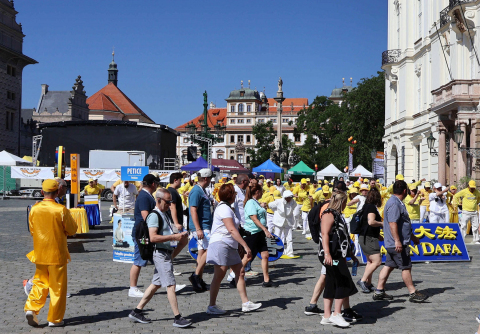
{"x": 231, "y": 222}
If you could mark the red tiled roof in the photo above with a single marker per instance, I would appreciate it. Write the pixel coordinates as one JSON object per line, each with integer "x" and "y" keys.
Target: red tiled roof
{"x": 101, "y": 102}
{"x": 297, "y": 102}
{"x": 116, "y": 96}
{"x": 215, "y": 116}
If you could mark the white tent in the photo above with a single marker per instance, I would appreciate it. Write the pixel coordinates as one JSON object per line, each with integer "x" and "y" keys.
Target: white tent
{"x": 360, "y": 171}
{"x": 8, "y": 159}
{"x": 330, "y": 170}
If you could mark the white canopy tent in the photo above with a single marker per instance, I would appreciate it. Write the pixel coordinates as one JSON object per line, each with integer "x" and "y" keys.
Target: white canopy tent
{"x": 360, "y": 171}
{"x": 330, "y": 170}
{"x": 8, "y": 159}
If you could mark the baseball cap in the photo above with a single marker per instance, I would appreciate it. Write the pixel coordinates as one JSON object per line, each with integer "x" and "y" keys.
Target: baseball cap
{"x": 472, "y": 184}
{"x": 184, "y": 172}
{"x": 399, "y": 177}
{"x": 356, "y": 184}
{"x": 452, "y": 187}
{"x": 303, "y": 181}
{"x": 412, "y": 187}
{"x": 287, "y": 193}
{"x": 192, "y": 177}
{"x": 234, "y": 175}
{"x": 49, "y": 185}
{"x": 325, "y": 189}
{"x": 90, "y": 180}
{"x": 277, "y": 194}
{"x": 269, "y": 180}
{"x": 205, "y": 172}
{"x": 354, "y": 190}
{"x": 427, "y": 185}
{"x": 437, "y": 185}
{"x": 149, "y": 179}
{"x": 325, "y": 181}
{"x": 365, "y": 180}
{"x": 363, "y": 186}
{"x": 261, "y": 176}
{"x": 272, "y": 189}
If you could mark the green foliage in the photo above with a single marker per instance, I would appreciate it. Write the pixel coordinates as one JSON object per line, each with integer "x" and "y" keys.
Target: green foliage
{"x": 328, "y": 126}
{"x": 463, "y": 183}
{"x": 264, "y": 135}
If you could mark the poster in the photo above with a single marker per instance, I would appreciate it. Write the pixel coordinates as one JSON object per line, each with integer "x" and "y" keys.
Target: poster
{"x": 123, "y": 247}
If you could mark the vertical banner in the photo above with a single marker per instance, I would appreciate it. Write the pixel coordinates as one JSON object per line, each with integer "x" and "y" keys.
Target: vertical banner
{"x": 378, "y": 166}
{"x": 350, "y": 158}
{"x": 60, "y": 162}
{"x": 74, "y": 173}
{"x": 123, "y": 248}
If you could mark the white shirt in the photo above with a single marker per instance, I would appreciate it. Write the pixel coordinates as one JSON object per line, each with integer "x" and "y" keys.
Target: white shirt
{"x": 361, "y": 202}
{"x": 238, "y": 204}
{"x": 126, "y": 196}
{"x": 280, "y": 188}
{"x": 219, "y": 232}
{"x": 439, "y": 206}
{"x": 283, "y": 212}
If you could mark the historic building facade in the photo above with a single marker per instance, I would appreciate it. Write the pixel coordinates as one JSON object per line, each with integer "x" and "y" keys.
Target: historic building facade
{"x": 432, "y": 87}
{"x": 12, "y": 62}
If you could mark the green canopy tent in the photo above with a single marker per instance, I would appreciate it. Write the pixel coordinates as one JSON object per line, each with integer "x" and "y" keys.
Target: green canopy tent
{"x": 301, "y": 169}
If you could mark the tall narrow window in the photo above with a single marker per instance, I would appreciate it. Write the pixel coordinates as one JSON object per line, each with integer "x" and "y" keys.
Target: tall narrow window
{"x": 232, "y": 108}
{"x": 419, "y": 24}
{"x": 240, "y": 107}
{"x": 240, "y": 158}
{"x": 232, "y": 139}
{"x": 249, "y": 108}
{"x": 418, "y": 162}
{"x": 248, "y": 138}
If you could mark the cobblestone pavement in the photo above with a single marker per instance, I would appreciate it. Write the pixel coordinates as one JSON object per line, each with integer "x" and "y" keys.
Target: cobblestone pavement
{"x": 99, "y": 302}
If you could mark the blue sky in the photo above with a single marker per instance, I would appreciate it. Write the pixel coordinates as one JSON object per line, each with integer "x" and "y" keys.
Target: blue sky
{"x": 169, "y": 52}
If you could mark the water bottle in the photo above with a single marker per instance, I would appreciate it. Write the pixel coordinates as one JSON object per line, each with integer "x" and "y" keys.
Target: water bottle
{"x": 354, "y": 268}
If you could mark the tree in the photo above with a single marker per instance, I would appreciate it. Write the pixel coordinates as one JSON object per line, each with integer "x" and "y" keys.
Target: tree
{"x": 264, "y": 135}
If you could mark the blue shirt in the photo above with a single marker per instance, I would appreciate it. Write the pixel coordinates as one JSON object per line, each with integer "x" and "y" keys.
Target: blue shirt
{"x": 200, "y": 200}
{"x": 395, "y": 211}
{"x": 252, "y": 207}
{"x": 144, "y": 202}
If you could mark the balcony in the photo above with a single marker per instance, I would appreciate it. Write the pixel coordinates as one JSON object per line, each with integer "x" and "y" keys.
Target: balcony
{"x": 391, "y": 56}
{"x": 444, "y": 17}
{"x": 456, "y": 94}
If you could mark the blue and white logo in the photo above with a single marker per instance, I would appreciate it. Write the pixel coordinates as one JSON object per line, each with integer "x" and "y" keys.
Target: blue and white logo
{"x": 133, "y": 173}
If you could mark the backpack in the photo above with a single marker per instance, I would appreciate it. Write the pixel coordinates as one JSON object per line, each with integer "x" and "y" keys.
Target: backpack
{"x": 142, "y": 236}
{"x": 314, "y": 221}
{"x": 356, "y": 224}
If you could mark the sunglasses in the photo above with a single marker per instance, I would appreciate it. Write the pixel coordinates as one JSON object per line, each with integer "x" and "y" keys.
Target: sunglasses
{"x": 168, "y": 202}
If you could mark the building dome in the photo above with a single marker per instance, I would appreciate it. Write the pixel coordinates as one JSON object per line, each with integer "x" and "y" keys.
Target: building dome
{"x": 338, "y": 92}
{"x": 243, "y": 94}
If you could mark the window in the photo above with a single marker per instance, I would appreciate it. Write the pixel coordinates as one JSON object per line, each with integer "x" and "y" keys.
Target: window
{"x": 219, "y": 156}
{"x": 249, "y": 121}
{"x": 232, "y": 108}
{"x": 242, "y": 94}
{"x": 249, "y": 107}
{"x": 285, "y": 120}
{"x": 232, "y": 139}
{"x": 261, "y": 120}
{"x": 240, "y": 138}
{"x": 419, "y": 28}
{"x": 248, "y": 159}
{"x": 232, "y": 151}
{"x": 248, "y": 138}
{"x": 240, "y": 158}
{"x": 240, "y": 107}
{"x": 240, "y": 121}
{"x": 11, "y": 70}
{"x": 297, "y": 137}
{"x": 232, "y": 121}
{"x": 185, "y": 140}
{"x": 232, "y": 158}
{"x": 274, "y": 120}
{"x": 9, "y": 120}
{"x": 10, "y": 95}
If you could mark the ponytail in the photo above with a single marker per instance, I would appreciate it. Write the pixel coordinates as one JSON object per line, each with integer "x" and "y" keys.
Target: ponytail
{"x": 250, "y": 191}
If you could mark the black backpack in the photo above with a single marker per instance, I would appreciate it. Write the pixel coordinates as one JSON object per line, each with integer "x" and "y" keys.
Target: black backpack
{"x": 314, "y": 221}
{"x": 356, "y": 224}
{"x": 142, "y": 237}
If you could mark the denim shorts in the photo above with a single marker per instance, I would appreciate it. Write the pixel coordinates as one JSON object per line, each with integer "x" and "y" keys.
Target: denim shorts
{"x": 137, "y": 259}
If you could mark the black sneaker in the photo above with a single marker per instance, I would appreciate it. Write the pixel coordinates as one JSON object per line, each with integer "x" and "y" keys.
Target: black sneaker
{"x": 351, "y": 315}
{"x": 232, "y": 283}
{"x": 381, "y": 296}
{"x": 181, "y": 322}
{"x": 139, "y": 317}
{"x": 269, "y": 284}
{"x": 202, "y": 284}
{"x": 417, "y": 297}
{"x": 313, "y": 310}
{"x": 370, "y": 287}
{"x": 194, "y": 281}
{"x": 363, "y": 286}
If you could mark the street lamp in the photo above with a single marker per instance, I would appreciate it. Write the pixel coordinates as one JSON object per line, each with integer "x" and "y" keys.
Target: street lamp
{"x": 191, "y": 129}
{"x": 458, "y": 136}
{"x": 431, "y": 144}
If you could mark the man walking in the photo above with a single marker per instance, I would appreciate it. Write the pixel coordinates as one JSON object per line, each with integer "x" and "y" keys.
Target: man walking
{"x": 470, "y": 198}
{"x": 160, "y": 228}
{"x": 201, "y": 220}
{"x": 125, "y": 193}
{"x": 144, "y": 204}
{"x": 397, "y": 230}
{"x": 49, "y": 223}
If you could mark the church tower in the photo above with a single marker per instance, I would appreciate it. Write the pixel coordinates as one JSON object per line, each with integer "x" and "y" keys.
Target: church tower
{"x": 113, "y": 71}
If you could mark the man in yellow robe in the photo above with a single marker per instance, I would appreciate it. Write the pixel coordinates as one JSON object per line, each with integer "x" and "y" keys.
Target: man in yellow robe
{"x": 50, "y": 223}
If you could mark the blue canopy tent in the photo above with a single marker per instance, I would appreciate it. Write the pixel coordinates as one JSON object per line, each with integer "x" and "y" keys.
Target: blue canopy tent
{"x": 268, "y": 168}
{"x": 197, "y": 165}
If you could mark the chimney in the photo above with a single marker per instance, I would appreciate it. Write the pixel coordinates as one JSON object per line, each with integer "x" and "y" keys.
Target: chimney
{"x": 44, "y": 89}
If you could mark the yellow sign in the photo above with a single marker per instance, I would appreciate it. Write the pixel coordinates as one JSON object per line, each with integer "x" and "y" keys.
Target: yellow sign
{"x": 75, "y": 170}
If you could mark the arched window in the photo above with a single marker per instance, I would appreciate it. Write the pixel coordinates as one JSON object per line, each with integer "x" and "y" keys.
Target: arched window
{"x": 240, "y": 107}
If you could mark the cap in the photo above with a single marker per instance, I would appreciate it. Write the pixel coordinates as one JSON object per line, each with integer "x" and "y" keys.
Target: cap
{"x": 354, "y": 190}
{"x": 277, "y": 194}
{"x": 90, "y": 180}
{"x": 427, "y": 185}
{"x": 452, "y": 187}
{"x": 49, "y": 186}
{"x": 472, "y": 184}
{"x": 290, "y": 180}
{"x": 363, "y": 187}
{"x": 269, "y": 180}
{"x": 261, "y": 176}
{"x": 325, "y": 181}
{"x": 192, "y": 177}
{"x": 365, "y": 180}
{"x": 437, "y": 185}
{"x": 444, "y": 188}
{"x": 287, "y": 194}
{"x": 224, "y": 177}
{"x": 412, "y": 187}
{"x": 205, "y": 172}
{"x": 325, "y": 189}
{"x": 399, "y": 177}
{"x": 303, "y": 181}
{"x": 272, "y": 189}
{"x": 356, "y": 184}
{"x": 184, "y": 172}
{"x": 308, "y": 180}
{"x": 378, "y": 181}
{"x": 234, "y": 175}
{"x": 149, "y": 178}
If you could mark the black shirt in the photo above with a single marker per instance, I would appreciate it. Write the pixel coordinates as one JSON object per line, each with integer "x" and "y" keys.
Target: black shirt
{"x": 177, "y": 199}
{"x": 372, "y": 231}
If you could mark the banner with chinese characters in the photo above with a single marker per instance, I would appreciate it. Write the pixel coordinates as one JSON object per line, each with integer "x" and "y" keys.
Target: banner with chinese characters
{"x": 438, "y": 242}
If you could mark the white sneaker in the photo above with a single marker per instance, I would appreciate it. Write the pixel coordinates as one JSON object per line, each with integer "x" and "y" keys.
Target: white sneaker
{"x": 179, "y": 287}
{"x": 231, "y": 276}
{"x": 28, "y": 287}
{"x": 338, "y": 320}
{"x": 68, "y": 295}
{"x": 135, "y": 292}
{"x": 31, "y": 318}
{"x": 477, "y": 242}
{"x": 55, "y": 324}
{"x": 249, "y": 306}
{"x": 215, "y": 310}
{"x": 304, "y": 232}
{"x": 326, "y": 321}
{"x": 176, "y": 273}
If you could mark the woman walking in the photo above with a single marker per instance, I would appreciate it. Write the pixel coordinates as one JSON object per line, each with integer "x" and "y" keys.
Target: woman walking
{"x": 334, "y": 247}
{"x": 370, "y": 237}
{"x": 223, "y": 251}
{"x": 256, "y": 229}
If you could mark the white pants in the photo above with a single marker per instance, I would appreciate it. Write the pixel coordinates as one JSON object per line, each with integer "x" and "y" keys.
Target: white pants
{"x": 306, "y": 228}
{"x": 270, "y": 225}
{"x": 435, "y": 218}
{"x": 285, "y": 234}
{"x": 297, "y": 216}
{"x": 471, "y": 216}
{"x": 423, "y": 210}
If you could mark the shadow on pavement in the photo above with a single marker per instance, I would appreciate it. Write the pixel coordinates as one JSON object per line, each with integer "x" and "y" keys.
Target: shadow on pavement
{"x": 99, "y": 291}
{"x": 77, "y": 247}
{"x": 372, "y": 311}
{"x": 430, "y": 292}
{"x": 398, "y": 285}
{"x": 281, "y": 302}
{"x": 102, "y": 316}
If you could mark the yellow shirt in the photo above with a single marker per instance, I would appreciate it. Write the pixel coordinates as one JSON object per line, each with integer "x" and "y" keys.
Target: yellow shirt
{"x": 469, "y": 201}
{"x": 295, "y": 191}
{"x": 413, "y": 210}
{"x": 89, "y": 190}
{"x": 50, "y": 223}
{"x": 288, "y": 187}
{"x": 267, "y": 198}
{"x": 320, "y": 196}
{"x": 303, "y": 195}
{"x": 426, "y": 194}
{"x": 350, "y": 210}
